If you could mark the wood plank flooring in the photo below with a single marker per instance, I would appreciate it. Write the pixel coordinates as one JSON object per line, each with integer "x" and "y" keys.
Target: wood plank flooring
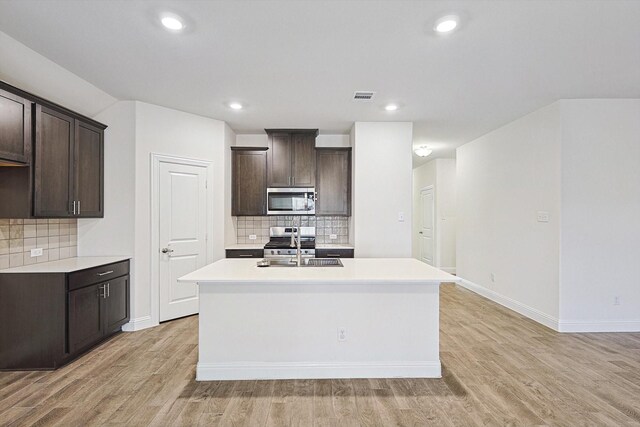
{"x": 499, "y": 369}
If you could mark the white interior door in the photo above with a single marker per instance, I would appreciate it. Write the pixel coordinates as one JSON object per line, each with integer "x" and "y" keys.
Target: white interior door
{"x": 182, "y": 219}
{"x": 427, "y": 219}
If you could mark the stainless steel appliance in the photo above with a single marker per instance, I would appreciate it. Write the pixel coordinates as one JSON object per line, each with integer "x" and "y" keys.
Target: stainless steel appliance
{"x": 291, "y": 201}
{"x": 279, "y": 245}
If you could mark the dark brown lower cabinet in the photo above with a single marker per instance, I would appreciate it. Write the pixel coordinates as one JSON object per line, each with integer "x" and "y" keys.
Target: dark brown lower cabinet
{"x": 334, "y": 253}
{"x": 49, "y": 319}
{"x": 245, "y": 253}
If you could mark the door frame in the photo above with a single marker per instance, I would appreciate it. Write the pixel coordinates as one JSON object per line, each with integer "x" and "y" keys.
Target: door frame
{"x": 436, "y": 261}
{"x": 154, "y": 248}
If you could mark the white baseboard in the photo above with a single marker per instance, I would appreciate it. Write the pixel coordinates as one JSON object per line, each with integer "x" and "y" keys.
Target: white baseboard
{"x": 600, "y": 326}
{"x": 294, "y": 370}
{"x": 139, "y": 323}
{"x": 518, "y": 307}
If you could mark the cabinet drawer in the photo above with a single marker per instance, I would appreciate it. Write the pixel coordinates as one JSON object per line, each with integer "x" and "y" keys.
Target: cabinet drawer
{"x": 334, "y": 253}
{"x": 103, "y": 273}
{"x": 245, "y": 253}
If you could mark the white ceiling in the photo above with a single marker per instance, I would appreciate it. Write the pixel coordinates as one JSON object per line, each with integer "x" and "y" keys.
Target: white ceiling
{"x": 297, "y": 63}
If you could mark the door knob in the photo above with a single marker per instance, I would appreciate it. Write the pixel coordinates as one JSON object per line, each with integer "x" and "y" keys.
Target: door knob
{"x": 166, "y": 250}
{"x": 420, "y": 232}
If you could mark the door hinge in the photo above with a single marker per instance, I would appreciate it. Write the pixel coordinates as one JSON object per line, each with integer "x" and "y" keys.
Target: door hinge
{"x": 206, "y": 184}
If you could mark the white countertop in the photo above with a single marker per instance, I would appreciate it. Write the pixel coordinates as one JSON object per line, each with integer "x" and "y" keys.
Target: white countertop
{"x": 246, "y": 246}
{"x": 66, "y": 265}
{"x": 333, "y": 246}
{"x": 355, "y": 271}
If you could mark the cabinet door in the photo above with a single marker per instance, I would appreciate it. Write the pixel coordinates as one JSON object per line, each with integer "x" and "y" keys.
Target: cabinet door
{"x": 53, "y": 163}
{"x": 249, "y": 182}
{"x": 15, "y": 129}
{"x": 279, "y": 160}
{"x": 85, "y": 317}
{"x": 88, "y": 169}
{"x": 303, "y": 163}
{"x": 333, "y": 183}
{"x": 116, "y": 304}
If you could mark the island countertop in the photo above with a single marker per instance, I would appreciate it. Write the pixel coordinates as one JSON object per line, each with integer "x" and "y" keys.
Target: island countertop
{"x": 355, "y": 271}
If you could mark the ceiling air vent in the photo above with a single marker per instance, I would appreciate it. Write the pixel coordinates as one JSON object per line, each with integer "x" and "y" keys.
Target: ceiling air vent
{"x": 363, "y": 95}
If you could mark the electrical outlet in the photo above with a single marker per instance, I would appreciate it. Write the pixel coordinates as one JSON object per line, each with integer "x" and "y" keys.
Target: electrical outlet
{"x": 333, "y": 236}
{"x": 36, "y": 252}
{"x": 616, "y": 300}
{"x": 493, "y": 277}
{"x": 400, "y": 216}
{"x": 252, "y": 237}
{"x": 342, "y": 334}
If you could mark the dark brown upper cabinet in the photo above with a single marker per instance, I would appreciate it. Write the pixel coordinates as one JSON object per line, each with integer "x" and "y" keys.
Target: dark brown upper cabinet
{"x": 15, "y": 129}
{"x": 249, "y": 181}
{"x": 333, "y": 181}
{"x": 291, "y": 159}
{"x": 64, "y": 152}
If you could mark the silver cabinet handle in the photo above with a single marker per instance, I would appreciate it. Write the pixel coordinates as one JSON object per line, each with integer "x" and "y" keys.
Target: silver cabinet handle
{"x": 166, "y": 250}
{"x": 108, "y": 290}
{"x": 102, "y": 291}
{"x": 105, "y": 273}
{"x": 245, "y": 256}
{"x": 74, "y": 207}
{"x": 78, "y": 207}
{"x": 293, "y": 179}
{"x": 334, "y": 255}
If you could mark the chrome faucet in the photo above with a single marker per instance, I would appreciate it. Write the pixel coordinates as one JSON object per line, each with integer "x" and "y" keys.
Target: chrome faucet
{"x": 295, "y": 242}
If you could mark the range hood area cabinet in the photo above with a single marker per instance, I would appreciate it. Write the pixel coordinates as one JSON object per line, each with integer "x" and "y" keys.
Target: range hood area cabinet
{"x": 63, "y": 175}
{"x": 291, "y": 158}
{"x": 249, "y": 181}
{"x": 333, "y": 181}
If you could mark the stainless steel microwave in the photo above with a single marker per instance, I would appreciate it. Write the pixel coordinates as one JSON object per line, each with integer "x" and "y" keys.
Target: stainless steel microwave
{"x": 291, "y": 201}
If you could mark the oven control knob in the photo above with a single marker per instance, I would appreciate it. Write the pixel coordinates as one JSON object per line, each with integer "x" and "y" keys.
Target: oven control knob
{"x": 272, "y": 252}
{"x": 278, "y": 252}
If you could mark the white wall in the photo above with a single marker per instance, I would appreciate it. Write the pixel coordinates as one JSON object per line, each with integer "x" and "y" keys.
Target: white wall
{"x": 441, "y": 174}
{"x": 230, "y": 236}
{"x": 503, "y": 179}
{"x": 600, "y": 215}
{"x": 30, "y": 71}
{"x": 446, "y": 214}
{"x": 382, "y": 189}
{"x": 170, "y": 132}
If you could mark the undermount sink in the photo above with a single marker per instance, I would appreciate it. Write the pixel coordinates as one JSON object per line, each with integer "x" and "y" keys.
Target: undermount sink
{"x": 305, "y": 262}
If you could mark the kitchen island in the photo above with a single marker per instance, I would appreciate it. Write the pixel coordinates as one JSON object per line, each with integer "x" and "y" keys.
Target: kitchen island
{"x": 371, "y": 318}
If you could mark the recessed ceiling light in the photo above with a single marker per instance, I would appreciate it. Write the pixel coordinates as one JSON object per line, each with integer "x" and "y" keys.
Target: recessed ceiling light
{"x": 391, "y": 107}
{"x": 172, "y": 23}
{"x": 423, "y": 151}
{"x": 446, "y": 24}
{"x": 235, "y": 106}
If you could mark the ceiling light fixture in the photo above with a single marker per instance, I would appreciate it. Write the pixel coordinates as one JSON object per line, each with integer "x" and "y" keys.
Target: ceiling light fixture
{"x": 446, "y": 24}
{"x": 391, "y": 107}
{"x": 423, "y": 151}
{"x": 235, "y": 106}
{"x": 172, "y": 23}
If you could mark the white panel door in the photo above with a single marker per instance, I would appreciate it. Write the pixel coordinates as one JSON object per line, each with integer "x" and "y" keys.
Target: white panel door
{"x": 426, "y": 233}
{"x": 183, "y": 232}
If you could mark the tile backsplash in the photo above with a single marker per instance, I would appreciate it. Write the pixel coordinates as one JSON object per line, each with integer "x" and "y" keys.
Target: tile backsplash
{"x": 57, "y": 237}
{"x": 325, "y": 227}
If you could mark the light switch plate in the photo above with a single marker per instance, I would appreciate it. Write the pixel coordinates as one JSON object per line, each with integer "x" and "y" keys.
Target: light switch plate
{"x": 252, "y": 237}
{"x": 36, "y": 252}
{"x": 543, "y": 216}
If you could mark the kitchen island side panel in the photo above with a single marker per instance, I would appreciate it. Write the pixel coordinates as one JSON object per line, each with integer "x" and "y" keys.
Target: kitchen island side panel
{"x": 273, "y": 331}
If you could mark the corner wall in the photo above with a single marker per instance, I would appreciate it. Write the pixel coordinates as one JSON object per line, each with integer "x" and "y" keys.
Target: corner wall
{"x": 600, "y": 215}
{"x": 382, "y": 189}
{"x": 503, "y": 179}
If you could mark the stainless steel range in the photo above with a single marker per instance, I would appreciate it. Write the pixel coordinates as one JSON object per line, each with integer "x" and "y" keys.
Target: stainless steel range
{"x": 279, "y": 245}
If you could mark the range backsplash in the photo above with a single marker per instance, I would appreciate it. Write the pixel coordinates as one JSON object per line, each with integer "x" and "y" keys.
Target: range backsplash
{"x": 325, "y": 227}
{"x": 57, "y": 237}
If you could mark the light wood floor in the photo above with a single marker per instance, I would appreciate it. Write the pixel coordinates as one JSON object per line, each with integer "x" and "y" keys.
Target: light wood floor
{"x": 499, "y": 369}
